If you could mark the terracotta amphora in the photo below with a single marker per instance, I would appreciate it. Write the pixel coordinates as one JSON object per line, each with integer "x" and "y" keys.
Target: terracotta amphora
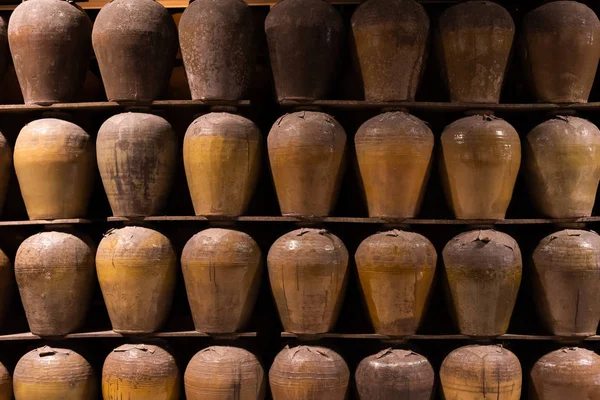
{"x": 390, "y": 40}
{"x": 561, "y": 49}
{"x": 221, "y": 155}
{"x": 51, "y": 45}
{"x": 308, "y": 372}
{"x": 217, "y": 39}
{"x": 481, "y": 373}
{"x": 308, "y": 271}
{"x": 307, "y": 157}
{"x": 474, "y": 47}
{"x": 224, "y": 372}
{"x": 566, "y": 279}
{"x": 140, "y": 371}
{"x": 568, "y": 373}
{"x": 394, "y": 152}
{"x": 136, "y": 269}
{"x": 483, "y": 273}
{"x": 51, "y": 373}
{"x": 56, "y": 276}
{"x": 480, "y": 160}
{"x": 137, "y": 158}
{"x": 135, "y": 42}
{"x": 55, "y": 161}
{"x": 395, "y": 374}
{"x": 222, "y": 270}
{"x": 562, "y": 166}
{"x": 395, "y": 271}
{"x": 304, "y": 39}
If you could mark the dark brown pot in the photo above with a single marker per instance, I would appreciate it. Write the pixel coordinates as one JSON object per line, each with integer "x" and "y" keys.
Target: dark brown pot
{"x": 218, "y": 48}
{"x": 390, "y": 39}
{"x": 395, "y": 374}
{"x": 475, "y": 42}
{"x": 484, "y": 265}
{"x": 135, "y": 42}
{"x": 562, "y": 166}
{"x": 308, "y": 372}
{"x": 304, "y": 38}
{"x": 308, "y": 270}
{"x": 561, "y": 49}
{"x": 51, "y": 46}
{"x": 568, "y": 373}
{"x": 306, "y": 153}
{"x": 395, "y": 271}
{"x": 566, "y": 268}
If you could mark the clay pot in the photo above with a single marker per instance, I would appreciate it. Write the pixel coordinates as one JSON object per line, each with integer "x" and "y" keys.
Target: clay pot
{"x": 306, "y": 153}
{"x": 136, "y": 269}
{"x": 475, "y": 42}
{"x": 566, "y": 268}
{"x": 394, "y": 157}
{"x": 308, "y": 372}
{"x": 7, "y": 283}
{"x": 221, "y": 154}
{"x": 304, "y": 39}
{"x": 484, "y": 265}
{"x": 221, "y": 269}
{"x": 390, "y": 39}
{"x": 568, "y": 373}
{"x": 6, "y": 386}
{"x": 51, "y": 46}
{"x": 140, "y": 371}
{"x": 480, "y": 160}
{"x": 395, "y": 271}
{"x": 137, "y": 157}
{"x": 308, "y": 272}
{"x": 481, "y": 373}
{"x": 135, "y": 42}
{"x": 55, "y": 164}
{"x": 179, "y": 89}
{"x": 54, "y": 374}
{"x": 223, "y": 372}
{"x": 56, "y": 276}
{"x": 562, "y": 165}
{"x": 561, "y": 49}
{"x": 218, "y": 48}
{"x": 6, "y": 163}
{"x": 395, "y": 374}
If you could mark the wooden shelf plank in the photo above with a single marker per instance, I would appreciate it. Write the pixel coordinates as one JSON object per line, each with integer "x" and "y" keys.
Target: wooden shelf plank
{"x": 111, "y": 105}
{"x": 426, "y": 337}
{"x": 112, "y": 334}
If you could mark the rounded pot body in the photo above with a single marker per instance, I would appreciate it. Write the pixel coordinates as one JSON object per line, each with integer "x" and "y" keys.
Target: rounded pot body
{"x": 390, "y": 39}
{"x": 136, "y": 269}
{"x": 304, "y": 39}
{"x": 561, "y": 49}
{"x": 222, "y": 373}
{"x": 221, "y": 155}
{"x": 56, "y": 276}
{"x": 568, "y": 373}
{"x": 6, "y": 385}
{"x": 307, "y": 157}
{"x": 54, "y": 374}
{"x": 395, "y": 374}
{"x": 308, "y": 270}
{"x": 218, "y": 48}
{"x": 51, "y": 45}
{"x": 137, "y": 158}
{"x": 222, "y": 270}
{"x": 308, "y": 372}
{"x": 481, "y": 373}
{"x": 7, "y": 284}
{"x": 135, "y": 42}
{"x": 480, "y": 161}
{"x": 140, "y": 371}
{"x": 562, "y": 165}
{"x": 394, "y": 152}
{"x": 474, "y": 47}
{"x": 395, "y": 271}
{"x": 566, "y": 278}
{"x": 55, "y": 162}
{"x": 485, "y": 265}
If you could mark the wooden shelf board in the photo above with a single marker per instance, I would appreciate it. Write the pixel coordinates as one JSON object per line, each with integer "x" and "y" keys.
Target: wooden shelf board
{"x": 111, "y": 105}
{"x": 426, "y": 337}
{"x": 112, "y": 334}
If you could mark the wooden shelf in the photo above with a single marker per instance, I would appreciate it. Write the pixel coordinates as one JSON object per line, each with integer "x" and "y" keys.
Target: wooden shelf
{"x": 430, "y": 337}
{"x": 112, "y": 334}
{"x": 111, "y": 105}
